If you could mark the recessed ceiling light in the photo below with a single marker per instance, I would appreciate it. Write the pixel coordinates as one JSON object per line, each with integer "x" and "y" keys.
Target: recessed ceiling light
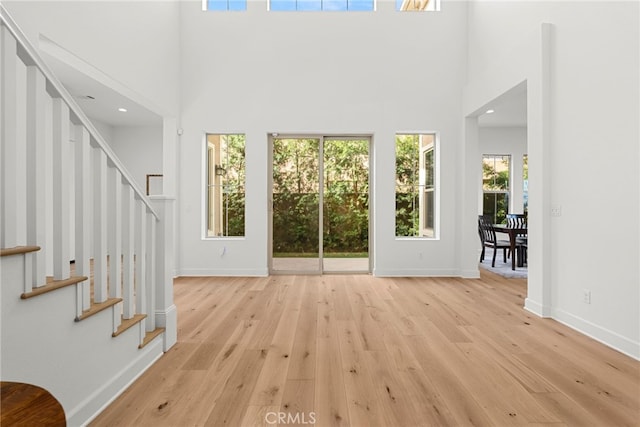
{"x": 122, "y": 110}
{"x": 490, "y": 111}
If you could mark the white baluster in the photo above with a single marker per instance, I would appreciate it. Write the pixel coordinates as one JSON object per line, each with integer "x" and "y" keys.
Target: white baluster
{"x": 99, "y": 225}
{"x": 115, "y": 240}
{"x": 151, "y": 273}
{"x": 8, "y": 148}
{"x": 115, "y": 232}
{"x": 141, "y": 249}
{"x": 83, "y": 214}
{"x": 128, "y": 226}
{"x": 61, "y": 186}
{"x": 36, "y": 180}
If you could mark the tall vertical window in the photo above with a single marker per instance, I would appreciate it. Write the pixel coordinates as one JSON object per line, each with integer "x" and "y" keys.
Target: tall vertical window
{"x": 417, "y": 5}
{"x": 225, "y": 199}
{"x": 495, "y": 186}
{"x": 416, "y": 185}
{"x": 224, "y": 5}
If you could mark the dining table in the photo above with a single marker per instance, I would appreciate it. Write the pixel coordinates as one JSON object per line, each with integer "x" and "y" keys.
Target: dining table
{"x": 513, "y": 232}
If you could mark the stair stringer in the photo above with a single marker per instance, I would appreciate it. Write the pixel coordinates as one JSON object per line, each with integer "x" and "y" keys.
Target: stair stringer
{"x": 80, "y": 363}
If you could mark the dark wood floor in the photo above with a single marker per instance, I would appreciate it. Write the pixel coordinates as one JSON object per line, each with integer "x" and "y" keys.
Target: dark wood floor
{"x": 358, "y": 350}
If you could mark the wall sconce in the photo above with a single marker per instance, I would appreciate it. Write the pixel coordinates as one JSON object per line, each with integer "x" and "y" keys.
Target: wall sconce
{"x": 220, "y": 171}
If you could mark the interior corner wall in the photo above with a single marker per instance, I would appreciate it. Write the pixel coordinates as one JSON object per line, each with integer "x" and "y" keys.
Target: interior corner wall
{"x": 140, "y": 150}
{"x": 591, "y": 142}
{"x": 378, "y": 73}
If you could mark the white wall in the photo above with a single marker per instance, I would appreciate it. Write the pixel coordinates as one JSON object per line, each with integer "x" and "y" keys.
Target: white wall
{"x": 133, "y": 42}
{"x": 330, "y": 73}
{"x": 510, "y": 141}
{"x": 140, "y": 150}
{"x": 583, "y": 134}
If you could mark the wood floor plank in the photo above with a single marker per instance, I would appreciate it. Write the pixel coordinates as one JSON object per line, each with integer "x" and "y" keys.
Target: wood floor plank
{"x": 302, "y": 365}
{"x": 365, "y": 351}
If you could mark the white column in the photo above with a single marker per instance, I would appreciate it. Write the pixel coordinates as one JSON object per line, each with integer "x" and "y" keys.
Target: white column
{"x": 166, "y": 314}
{"x": 61, "y": 190}
{"x": 36, "y": 190}
{"x": 128, "y": 226}
{"x": 82, "y": 145}
{"x": 99, "y": 225}
{"x": 8, "y": 135}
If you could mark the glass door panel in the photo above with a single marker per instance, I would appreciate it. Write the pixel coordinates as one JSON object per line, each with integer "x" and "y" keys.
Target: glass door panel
{"x": 345, "y": 215}
{"x": 296, "y": 212}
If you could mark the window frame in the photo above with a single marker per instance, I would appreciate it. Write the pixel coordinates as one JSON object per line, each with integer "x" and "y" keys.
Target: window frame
{"x": 506, "y": 192}
{"x": 212, "y": 152}
{"x": 205, "y": 6}
{"x": 424, "y": 233}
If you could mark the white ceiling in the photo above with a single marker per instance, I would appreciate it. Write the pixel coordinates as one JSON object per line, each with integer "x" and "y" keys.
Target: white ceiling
{"x": 510, "y": 109}
{"x": 106, "y": 101}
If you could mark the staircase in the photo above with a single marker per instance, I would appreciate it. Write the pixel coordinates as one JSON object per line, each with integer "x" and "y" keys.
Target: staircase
{"x": 86, "y": 280}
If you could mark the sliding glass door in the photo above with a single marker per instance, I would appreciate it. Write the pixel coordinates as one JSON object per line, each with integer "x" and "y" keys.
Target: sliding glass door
{"x": 320, "y": 204}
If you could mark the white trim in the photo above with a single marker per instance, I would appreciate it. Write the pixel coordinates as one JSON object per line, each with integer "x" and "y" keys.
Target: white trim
{"x": 196, "y": 272}
{"x": 168, "y": 319}
{"x": 603, "y": 335}
{"x": 93, "y": 405}
{"x": 432, "y": 272}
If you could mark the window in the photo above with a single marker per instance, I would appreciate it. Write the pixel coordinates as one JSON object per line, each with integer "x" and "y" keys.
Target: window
{"x": 417, "y": 5}
{"x": 495, "y": 186}
{"x": 416, "y": 185}
{"x": 225, "y": 197}
{"x": 224, "y": 5}
{"x": 322, "y": 5}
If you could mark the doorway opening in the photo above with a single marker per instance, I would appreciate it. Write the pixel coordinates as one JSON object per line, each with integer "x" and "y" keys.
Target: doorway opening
{"x": 320, "y": 198}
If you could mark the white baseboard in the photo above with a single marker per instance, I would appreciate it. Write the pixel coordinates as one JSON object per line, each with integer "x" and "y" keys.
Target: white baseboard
{"x": 250, "y": 272}
{"x": 168, "y": 319}
{"x": 93, "y": 405}
{"x": 609, "y": 338}
{"x": 415, "y": 273}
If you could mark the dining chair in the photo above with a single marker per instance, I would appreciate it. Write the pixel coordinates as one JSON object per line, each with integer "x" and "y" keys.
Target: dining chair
{"x": 519, "y": 221}
{"x": 489, "y": 240}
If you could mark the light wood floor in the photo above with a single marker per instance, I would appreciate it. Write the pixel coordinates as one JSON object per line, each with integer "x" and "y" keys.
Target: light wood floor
{"x": 358, "y": 350}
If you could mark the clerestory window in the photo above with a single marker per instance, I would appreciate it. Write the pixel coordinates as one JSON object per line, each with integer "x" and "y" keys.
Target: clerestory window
{"x": 224, "y": 5}
{"x": 321, "y": 5}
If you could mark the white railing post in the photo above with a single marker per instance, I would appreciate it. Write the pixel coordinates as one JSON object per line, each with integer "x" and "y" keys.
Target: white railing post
{"x": 82, "y": 141}
{"x": 8, "y": 135}
{"x": 36, "y": 180}
{"x": 166, "y": 313}
{"x": 61, "y": 190}
{"x": 151, "y": 273}
{"x": 99, "y": 225}
{"x": 141, "y": 254}
{"x": 128, "y": 225}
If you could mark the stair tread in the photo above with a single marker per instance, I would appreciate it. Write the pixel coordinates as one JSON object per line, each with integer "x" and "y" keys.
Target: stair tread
{"x": 52, "y": 285}
{"x": 97, "y": 308}
{"x": 128, "y": 323}
{"x": 17, "y": 250}
{"x": 149, "y": 336}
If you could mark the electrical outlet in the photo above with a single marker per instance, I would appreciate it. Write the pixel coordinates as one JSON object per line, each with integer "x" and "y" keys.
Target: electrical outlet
{"x": 556, "y": 210}
{"x": 586, "y": 296}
